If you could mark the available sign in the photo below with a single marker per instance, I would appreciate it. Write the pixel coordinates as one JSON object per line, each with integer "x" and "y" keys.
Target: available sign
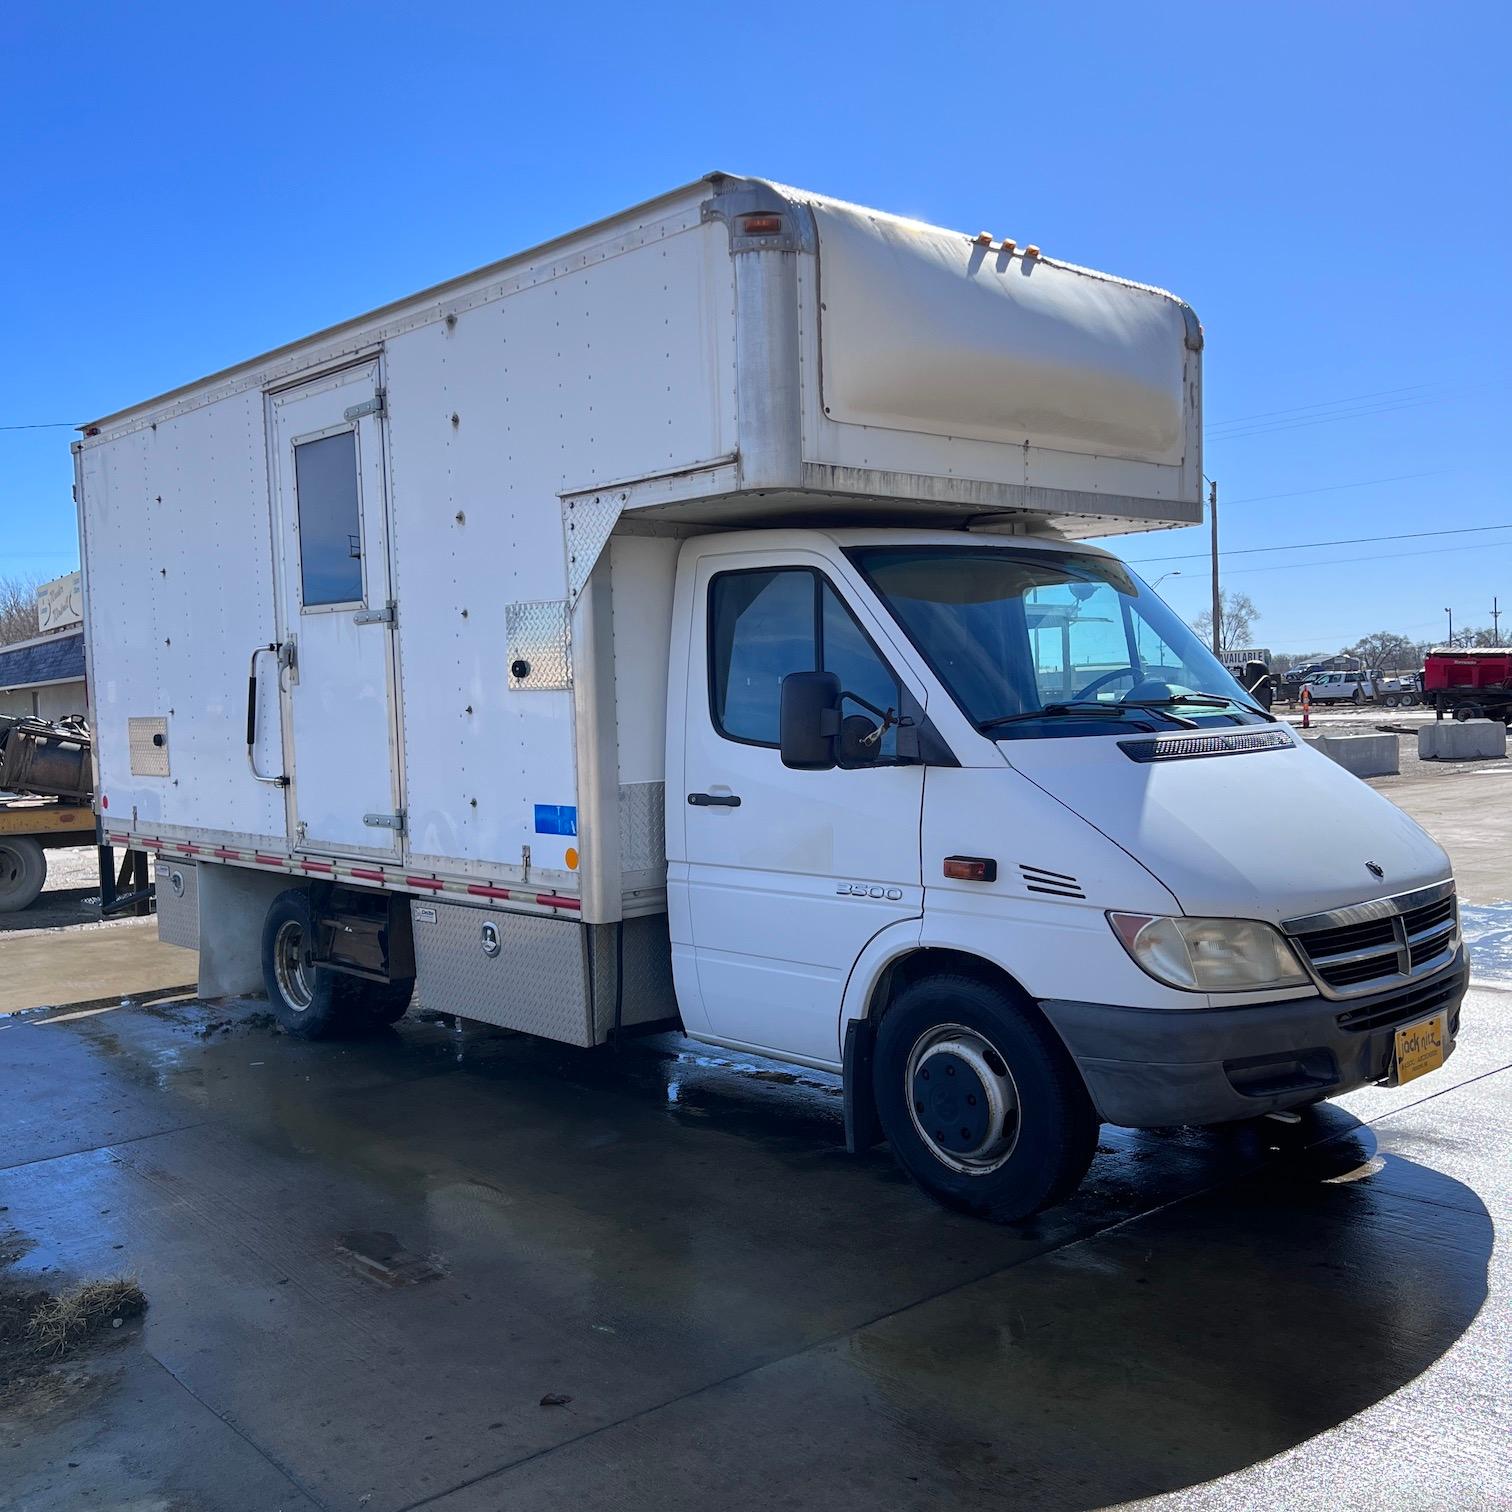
{"x": 61, "y": 602}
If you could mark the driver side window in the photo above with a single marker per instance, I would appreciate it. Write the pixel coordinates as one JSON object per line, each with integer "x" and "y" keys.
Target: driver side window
{"x": 767, "y": 623}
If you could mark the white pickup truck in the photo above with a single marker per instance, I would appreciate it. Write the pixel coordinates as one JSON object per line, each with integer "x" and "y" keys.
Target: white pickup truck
{"x": 684, "y": 623}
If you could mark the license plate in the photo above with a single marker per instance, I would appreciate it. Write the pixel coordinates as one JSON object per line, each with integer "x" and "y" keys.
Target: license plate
{"x": 1419, "y": 1048}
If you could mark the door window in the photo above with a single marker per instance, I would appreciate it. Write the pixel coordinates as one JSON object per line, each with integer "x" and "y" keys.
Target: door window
{"x": 765, "y": 624}
{"x": 330, "y": 520}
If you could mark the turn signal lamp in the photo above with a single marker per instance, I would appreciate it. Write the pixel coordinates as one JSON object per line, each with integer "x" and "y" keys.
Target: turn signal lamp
{"x": 971, "y": 868}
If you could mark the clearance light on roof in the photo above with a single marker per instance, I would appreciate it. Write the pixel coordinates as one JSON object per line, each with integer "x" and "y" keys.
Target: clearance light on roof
{"x": 760, "y": 225}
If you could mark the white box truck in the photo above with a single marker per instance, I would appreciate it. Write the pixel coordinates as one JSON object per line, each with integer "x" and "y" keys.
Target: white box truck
{"x": 683, "y": 623}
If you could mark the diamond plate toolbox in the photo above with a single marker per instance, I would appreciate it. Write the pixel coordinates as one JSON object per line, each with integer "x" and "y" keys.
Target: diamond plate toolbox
{"x": 514, "y": 970}
{"x": 177, "y": 903}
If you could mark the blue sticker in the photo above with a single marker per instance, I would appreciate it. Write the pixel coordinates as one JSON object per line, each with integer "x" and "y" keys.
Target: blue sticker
{"x": 556, "y": 819}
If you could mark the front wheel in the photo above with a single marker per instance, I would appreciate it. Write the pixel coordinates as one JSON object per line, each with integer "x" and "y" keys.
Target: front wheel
{"x": 23, "y": 871}
{"x": 980, "y": 1102}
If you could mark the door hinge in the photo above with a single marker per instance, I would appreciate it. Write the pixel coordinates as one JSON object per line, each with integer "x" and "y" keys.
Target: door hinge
{"x": 385, "y": 821}
{"x": 373, "y": 406}
{"x": 388, "y": 615}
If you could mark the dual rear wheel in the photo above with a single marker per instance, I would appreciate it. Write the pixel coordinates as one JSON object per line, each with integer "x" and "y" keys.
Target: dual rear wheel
{"x": 313, "y": 1002}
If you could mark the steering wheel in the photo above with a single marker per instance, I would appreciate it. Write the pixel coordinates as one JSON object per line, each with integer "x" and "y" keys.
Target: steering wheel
{"x": 1107, "y": 677}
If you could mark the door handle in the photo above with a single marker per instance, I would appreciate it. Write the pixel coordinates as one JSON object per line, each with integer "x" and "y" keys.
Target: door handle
{"x": 713, "y": 800}
{"x": 252, "y": 717}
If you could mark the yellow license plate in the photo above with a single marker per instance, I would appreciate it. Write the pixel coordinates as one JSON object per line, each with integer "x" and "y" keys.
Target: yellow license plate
{"x": 1419, "y": 1048}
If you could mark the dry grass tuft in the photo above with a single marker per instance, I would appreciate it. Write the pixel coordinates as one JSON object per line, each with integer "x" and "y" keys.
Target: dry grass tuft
{"x": 60, "y": 1324}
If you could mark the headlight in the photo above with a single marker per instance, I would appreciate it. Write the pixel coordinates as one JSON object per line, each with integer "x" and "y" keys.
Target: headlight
{"x": 1209, "y": 955}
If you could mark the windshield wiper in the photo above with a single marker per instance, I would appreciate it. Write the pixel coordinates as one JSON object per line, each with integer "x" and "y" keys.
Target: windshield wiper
{"x": 1216, "y": 701}
{"x": 1096, "y": 710}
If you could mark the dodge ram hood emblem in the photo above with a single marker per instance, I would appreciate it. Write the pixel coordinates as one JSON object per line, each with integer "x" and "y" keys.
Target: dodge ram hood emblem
{"x": 1374, "y": 870}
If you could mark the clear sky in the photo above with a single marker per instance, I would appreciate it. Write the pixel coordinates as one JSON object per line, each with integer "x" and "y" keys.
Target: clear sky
{"x": 1327, "y": 184}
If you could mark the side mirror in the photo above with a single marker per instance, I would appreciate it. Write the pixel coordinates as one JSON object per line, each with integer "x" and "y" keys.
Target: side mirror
{"x": 810, "y": 720}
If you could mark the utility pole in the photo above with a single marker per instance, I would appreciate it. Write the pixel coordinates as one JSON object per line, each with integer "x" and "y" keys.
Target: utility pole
{"x": 1217, "y": 602}
{"x": 1450, "y": 613}
{"x": 1495, "y": 621}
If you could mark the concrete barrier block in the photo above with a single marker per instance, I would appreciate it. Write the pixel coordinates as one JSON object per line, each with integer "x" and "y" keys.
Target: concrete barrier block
{"x": 1364, "y": 755}
{"x": 1462, "y": 740}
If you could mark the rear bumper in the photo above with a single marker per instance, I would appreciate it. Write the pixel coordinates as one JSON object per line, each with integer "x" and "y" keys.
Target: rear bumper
{"x": 1149, "y": 1068}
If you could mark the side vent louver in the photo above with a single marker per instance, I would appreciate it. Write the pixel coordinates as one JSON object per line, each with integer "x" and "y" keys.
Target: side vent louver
{"x": 1056, "y": 884}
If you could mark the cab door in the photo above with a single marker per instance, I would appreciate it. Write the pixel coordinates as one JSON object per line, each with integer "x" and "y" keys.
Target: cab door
{"x": 788, "y": 873}
{"x": 336, "y": 615}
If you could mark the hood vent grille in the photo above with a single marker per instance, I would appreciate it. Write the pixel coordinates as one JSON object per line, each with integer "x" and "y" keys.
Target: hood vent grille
{"x": 1056, "y": 884}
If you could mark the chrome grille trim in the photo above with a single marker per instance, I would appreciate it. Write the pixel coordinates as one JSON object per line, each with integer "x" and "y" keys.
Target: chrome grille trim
{"x": 1407, "y": 956}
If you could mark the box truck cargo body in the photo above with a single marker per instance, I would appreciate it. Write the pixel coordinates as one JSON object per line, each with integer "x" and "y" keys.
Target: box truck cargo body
{"x": 684, "y": 623}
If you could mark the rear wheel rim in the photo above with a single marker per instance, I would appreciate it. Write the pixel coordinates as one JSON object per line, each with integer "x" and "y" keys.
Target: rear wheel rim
{"x": 962, "y": 1099}
{"x": 293, "y": 966}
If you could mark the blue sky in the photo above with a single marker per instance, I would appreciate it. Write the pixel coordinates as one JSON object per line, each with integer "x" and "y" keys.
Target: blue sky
{"x": 1327, "y": 184}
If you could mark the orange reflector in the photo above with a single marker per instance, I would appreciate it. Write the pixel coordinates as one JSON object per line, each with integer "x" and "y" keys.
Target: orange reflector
{"x": 572, "y": 858}
{"x": 1031, "y": 250}
{"x": 760, "y": 225}
{"x": 971, "y": 868}
{"x": 984, "y": 238}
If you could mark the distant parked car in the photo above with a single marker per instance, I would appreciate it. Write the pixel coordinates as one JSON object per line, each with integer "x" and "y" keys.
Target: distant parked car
{"x": 1341, "y": 687}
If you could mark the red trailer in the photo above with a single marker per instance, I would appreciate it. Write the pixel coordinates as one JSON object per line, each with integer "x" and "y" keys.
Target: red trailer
{"x": 1470, "y": 684}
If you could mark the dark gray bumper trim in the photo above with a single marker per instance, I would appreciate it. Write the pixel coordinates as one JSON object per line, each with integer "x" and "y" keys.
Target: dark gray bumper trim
{"x": 1149, "y": 1068}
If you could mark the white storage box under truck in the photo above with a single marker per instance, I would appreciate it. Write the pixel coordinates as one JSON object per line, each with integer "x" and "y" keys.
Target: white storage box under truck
{"x": 685, "y": 623}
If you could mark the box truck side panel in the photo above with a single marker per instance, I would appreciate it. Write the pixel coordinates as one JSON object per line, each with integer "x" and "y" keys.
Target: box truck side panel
{"x": 176, "y": 539}
{"x": 608, "y": 372}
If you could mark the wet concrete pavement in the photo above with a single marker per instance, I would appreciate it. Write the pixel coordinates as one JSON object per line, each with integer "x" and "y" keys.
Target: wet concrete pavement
{"x": 369, "y": 1263}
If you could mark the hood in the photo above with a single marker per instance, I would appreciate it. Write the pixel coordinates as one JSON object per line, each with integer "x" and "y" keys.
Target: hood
{"x": 1260, "y": 835}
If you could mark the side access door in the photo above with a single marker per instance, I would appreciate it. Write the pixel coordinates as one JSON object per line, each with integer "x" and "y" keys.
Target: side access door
{"x": 331, "y": 537}
{"x": 788, "y": 873}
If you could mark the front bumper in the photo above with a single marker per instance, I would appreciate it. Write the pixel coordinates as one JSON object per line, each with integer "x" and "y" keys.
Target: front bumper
{"x": 1148, "y": 1068}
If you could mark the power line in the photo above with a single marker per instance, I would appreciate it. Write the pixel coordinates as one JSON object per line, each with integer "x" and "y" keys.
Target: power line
{"x": 45, "y": 425}
{"x": 1409, "y": 535}
{"x": 1385, "y": 556}
{"x": 1305, "y": 424}
{"x": 1410, "y": 388}
{"x": 1298, "y": 493}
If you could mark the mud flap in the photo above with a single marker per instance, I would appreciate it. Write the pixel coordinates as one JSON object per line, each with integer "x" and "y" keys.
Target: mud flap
{"x": 863, "y": 1129}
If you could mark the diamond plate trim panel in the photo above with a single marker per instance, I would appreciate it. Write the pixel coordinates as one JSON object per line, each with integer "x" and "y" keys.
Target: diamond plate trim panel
{"x": 538, "y": 646}
{"x": 147, "y": 740}
{"x": 649, "y": 994}
{"x": 535, "y": 981}
{"x": 643, "y": 827}
{"x": 587, "y": 524}
{"x": 177, "y": 885}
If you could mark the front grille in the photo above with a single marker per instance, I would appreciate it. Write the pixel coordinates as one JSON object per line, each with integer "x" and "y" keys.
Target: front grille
{"x": 1401, "y": 1007}
{"x": 1396, "y": 940}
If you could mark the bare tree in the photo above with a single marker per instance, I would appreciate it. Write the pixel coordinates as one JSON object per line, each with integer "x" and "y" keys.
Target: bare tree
{"x": 1236, "y": 621}
{"x": 1387, "y": 651}
{"x": 18, "y": 607}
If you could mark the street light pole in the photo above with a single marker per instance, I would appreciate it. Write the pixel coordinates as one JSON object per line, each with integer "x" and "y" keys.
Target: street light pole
{"x": 1174, "y": 572}
{"x": 1450, "y": 613}
{"x": 1217, "y": 601}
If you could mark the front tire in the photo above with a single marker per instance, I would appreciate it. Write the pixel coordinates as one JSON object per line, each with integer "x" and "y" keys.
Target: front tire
{"x": 23, "y": 871}
{"x": 981, "y": 1103}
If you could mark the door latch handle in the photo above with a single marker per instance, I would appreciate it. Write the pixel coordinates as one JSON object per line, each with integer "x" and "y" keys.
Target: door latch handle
{"x": 713, "y": 800}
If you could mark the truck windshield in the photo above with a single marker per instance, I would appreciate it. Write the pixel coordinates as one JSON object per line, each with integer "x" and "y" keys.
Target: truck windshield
{"x": 1018, "y": 637}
